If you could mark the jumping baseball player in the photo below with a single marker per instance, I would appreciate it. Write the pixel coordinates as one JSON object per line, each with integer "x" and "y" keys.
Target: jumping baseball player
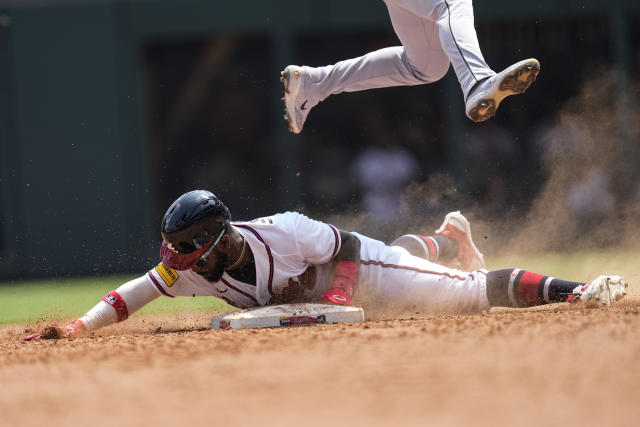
{"x": 289, "y": 258}
{"x": 433, "y": 34}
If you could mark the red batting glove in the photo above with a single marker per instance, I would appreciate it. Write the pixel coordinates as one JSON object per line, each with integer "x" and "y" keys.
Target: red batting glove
{"x": 73, "y": 329}
{"x": 345, "y": 276}
{"x": 33, "y": 337}
{"x": 70, "y": 330}
{"x": 337, "y": 297}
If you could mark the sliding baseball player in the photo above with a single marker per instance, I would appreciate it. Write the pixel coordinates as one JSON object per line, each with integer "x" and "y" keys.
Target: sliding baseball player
{"x": 289, "y": 257}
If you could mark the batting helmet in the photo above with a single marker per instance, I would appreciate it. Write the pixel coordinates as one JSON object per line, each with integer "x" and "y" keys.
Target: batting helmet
{"x": 192, "y": 226}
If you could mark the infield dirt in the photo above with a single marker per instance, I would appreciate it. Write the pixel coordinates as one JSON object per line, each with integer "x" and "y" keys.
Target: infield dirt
{"x": 555, "y": 365}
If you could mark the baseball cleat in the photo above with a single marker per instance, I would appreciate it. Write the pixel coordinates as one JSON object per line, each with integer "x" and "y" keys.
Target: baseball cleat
{"x": 457, "y": 227}
{"x": 484, "y": 99}
{"x": 296, "y": 109}
{"x": 602, "y": 291}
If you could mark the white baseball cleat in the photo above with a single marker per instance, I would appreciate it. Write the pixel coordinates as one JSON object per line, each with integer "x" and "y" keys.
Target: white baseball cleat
{"x": 457, "y": 227}
{"x": 295, "y": 104}
{"x": 602, "y": 291}
{"x": 484, "y": 99}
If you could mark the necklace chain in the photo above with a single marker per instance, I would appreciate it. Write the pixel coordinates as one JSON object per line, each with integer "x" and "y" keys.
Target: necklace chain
{"x": 237, "y": 262}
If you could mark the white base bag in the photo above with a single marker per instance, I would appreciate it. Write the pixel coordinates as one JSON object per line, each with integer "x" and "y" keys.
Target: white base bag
{"x": 276, "y": 316}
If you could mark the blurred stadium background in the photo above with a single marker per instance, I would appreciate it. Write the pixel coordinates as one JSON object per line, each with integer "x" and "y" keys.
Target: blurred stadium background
{"x": 111, "y": 109}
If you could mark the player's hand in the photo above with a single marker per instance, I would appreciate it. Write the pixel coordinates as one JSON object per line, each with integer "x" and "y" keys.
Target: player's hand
{"x": 345, "y": 276}
{"x": 337, "y": 297}
{"x": 70, "y": 330}
{"x": 73, "y": 329}
{"x": 33, "y": 337}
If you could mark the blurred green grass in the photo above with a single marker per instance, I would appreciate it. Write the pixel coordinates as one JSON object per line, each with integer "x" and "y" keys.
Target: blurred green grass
{"x": 48, "y": 300}
{"x": 57, "y": 299}
{"x": 579, "y": 265}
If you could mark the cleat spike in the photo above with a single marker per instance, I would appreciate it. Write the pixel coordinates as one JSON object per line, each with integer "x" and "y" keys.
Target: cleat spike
{"x": 483, "y": 102}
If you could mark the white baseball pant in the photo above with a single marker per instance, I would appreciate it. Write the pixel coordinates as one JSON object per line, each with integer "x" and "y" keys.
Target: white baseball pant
{"x": 390, "y": 277}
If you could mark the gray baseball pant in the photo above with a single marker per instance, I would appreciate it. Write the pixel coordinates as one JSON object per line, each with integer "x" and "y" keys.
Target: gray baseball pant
{"x": 433, "y": 34}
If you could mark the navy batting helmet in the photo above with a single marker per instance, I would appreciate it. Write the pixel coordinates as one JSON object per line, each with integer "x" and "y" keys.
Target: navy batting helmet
{"x": 192, "y": 226}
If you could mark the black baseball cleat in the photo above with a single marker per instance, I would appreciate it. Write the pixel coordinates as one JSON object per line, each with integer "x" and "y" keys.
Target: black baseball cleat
{"x": 484, "y": 99}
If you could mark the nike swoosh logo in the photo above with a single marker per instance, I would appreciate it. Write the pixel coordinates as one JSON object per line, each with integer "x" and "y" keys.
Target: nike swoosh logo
{"x": 304, "y": 105}
{"x": 222, "y": 291}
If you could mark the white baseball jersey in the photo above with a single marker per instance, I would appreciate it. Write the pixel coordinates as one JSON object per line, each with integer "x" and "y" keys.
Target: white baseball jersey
{"x": 284, "y": 247}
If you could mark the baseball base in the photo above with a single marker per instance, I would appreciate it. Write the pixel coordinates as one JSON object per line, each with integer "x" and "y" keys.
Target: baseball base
{"x": 276, "y": 316}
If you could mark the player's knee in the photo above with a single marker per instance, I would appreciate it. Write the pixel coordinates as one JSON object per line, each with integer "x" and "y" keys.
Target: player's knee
{"x": 430, "y": 70}
{"x": 440, "y": 71}
{"x": 436, "y": 70}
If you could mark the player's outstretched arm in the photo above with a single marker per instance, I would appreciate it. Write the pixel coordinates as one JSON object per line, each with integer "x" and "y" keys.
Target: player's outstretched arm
{"x": 116, "y": 306}
{"x": 347, "y": 262}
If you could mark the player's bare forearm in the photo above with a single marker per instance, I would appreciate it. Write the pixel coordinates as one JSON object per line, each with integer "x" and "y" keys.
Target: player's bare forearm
{"x": 350, "y": 249}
